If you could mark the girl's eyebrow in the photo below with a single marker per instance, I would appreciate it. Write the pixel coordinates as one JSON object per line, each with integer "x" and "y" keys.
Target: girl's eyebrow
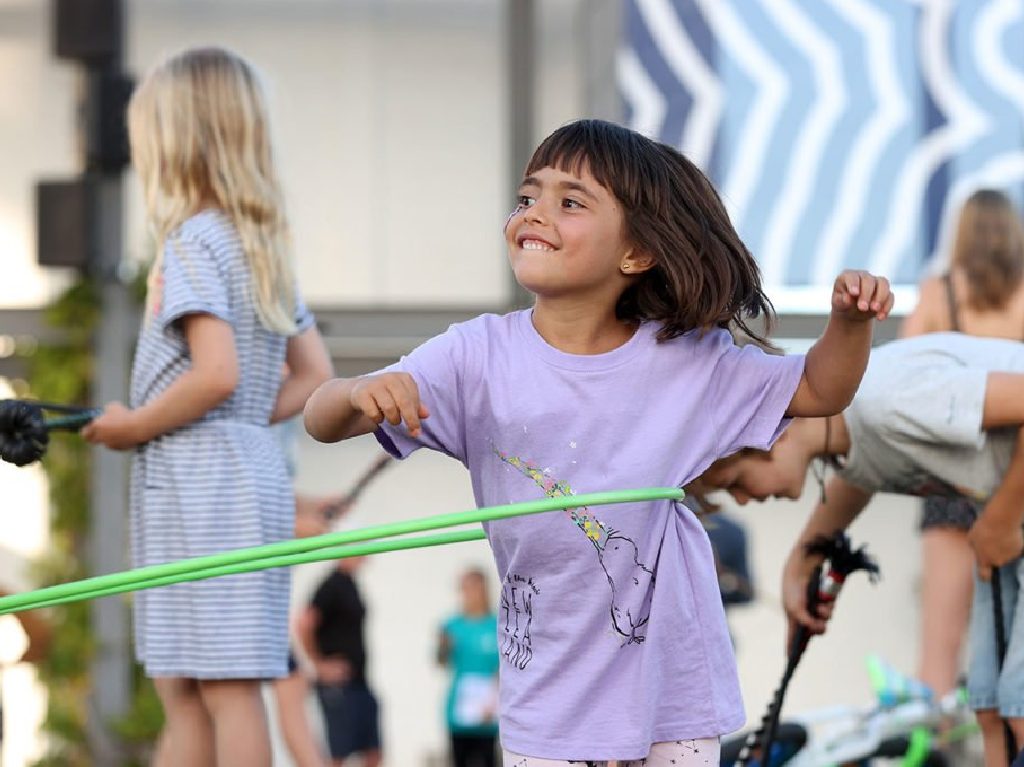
{"x": 570, "y": 185}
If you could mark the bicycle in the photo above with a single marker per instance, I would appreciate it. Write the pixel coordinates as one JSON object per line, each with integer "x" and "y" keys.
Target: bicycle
{"x": 907, "y": 723}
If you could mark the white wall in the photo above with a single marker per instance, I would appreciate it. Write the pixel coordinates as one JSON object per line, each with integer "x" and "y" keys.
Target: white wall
{"x": 37, "y": 141}
{"x": 389, "y": 124}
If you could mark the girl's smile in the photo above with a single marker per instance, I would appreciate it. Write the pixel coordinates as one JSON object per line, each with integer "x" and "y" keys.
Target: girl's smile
{"x": 573, "y": 217}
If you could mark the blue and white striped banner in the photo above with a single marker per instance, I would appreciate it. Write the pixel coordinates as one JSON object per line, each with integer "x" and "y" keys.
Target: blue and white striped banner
{"x": 840, "y": 133}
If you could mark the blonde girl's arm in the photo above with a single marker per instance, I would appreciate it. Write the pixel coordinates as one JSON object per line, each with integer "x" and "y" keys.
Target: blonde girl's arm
{"x": 309, "y": 365}
{"x": 211, "y": 379}
{"x": 348, "y": 407}
{"x": 836, "y": 363}
{"x": 931, "y": 307}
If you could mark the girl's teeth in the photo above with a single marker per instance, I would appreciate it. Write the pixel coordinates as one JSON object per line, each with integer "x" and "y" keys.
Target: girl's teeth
{"x": 534, "y": 245}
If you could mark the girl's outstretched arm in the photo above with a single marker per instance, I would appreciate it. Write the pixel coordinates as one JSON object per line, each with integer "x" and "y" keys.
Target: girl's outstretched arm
{"x": 836, "y": 362}
{"x": 210, "y": 380}
{"x": 348, "y": 407}
{"x": 309, "y": 365}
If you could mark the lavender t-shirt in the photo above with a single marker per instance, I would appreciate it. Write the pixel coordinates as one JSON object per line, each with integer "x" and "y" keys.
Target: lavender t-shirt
{"x": 610, "y": 625}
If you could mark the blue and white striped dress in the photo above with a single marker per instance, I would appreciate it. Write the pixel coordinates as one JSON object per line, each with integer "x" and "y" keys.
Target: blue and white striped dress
{"x": 217, "y": 484}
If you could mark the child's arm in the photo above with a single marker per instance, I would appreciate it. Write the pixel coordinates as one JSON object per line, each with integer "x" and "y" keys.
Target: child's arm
{"x": 309, "y": 365}
{"x": 211, "y": 379}
{"x": 348, "y": 407}
{"x": 844, "y": 503}
{"x": 997, "y": 536}
{"x": 836, "y": 363}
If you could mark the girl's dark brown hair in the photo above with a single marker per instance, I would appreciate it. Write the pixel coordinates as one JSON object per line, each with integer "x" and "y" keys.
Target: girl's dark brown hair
{"x": 989, "y": 249}
{"x": 703, "y": 276}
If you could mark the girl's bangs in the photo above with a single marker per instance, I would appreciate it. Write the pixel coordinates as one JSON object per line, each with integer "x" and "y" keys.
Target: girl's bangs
{"x": 581, "y": 147}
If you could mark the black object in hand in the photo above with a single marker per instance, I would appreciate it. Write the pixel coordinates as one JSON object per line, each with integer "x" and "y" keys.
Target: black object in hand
{"x": 23, "y": 432}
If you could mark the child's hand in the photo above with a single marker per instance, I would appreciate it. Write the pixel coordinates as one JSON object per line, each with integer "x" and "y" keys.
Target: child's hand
{"x": 860, "y": 296}
{"x": 116, "y": 427}
{"x": 798, "y": 570}
{"x": 994, "y": 542}
{"x": 391, "y": 397}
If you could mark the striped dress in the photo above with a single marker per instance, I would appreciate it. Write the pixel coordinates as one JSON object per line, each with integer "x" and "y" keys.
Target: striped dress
{"x": 219, "y": 483}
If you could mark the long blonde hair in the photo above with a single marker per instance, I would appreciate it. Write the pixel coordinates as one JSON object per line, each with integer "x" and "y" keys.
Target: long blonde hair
{"x": 199, "y": 134}
{"x": 989, "y": 249}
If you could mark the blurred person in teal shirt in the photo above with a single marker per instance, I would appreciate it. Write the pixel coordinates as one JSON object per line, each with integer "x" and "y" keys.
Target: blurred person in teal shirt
{"x": 469, "y": 647}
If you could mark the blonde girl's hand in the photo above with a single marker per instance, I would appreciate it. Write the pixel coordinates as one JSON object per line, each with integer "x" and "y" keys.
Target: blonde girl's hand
{"x": 391, "y": 397}
{"x": 116, "y": 427}
{"x": 860, "y": 296}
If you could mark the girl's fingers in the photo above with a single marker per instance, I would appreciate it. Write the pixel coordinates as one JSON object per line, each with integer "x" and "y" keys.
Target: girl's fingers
{"x": 385, "y": 400}
{"x": 413, "y": 410}
{"x": 866, "y": 290}
{"x": 410, "y": 409}
{"x": 366, "y": 403}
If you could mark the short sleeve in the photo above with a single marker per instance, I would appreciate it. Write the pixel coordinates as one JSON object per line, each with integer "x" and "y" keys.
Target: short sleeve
{"x": 437, "y": 368}
{"x": 304, "y": 318}
{"x": 192, "y": 283}
{"x": 754, "y": 390}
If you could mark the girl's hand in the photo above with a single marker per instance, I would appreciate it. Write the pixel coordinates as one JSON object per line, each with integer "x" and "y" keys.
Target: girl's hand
{"x": 860, "y": 296}
{"x": 795, "y": 575}
{"x": 994, "y": 542}
{"x": 116, "y": 427}
{"x": 391, "y": 397}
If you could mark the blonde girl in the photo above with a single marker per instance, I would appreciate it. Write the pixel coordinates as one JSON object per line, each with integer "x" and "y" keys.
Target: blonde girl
{"x": 223, "y": 319}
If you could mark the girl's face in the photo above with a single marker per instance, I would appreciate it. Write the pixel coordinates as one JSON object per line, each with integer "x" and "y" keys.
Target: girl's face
{"x": 566, "y": 237}
{"x": 758, "y": 475}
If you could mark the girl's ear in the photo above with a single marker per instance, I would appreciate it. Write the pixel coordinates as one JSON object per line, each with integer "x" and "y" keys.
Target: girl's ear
{"x": 635, "y": 262}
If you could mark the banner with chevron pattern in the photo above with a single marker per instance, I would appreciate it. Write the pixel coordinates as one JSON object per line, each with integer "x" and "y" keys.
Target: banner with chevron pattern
{"x": 840, "y": 133}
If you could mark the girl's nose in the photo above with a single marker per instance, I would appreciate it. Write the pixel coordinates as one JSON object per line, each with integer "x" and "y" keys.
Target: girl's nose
{"x": 535, "y": 213}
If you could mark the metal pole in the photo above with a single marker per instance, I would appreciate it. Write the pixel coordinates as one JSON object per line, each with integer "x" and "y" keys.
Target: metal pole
{"x": 108, "y": 544}
{"x": 108, "y": 540}
{"x": 601, "y": 22}
{"x": 520, "y": 53}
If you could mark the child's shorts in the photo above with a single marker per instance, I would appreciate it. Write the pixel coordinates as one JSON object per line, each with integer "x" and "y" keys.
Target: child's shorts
{"x": 986, "y": 686}
{"x": 673, "y": 753}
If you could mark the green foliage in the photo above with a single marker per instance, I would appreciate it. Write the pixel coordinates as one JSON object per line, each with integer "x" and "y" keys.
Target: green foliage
{"x": 62, "y": 372}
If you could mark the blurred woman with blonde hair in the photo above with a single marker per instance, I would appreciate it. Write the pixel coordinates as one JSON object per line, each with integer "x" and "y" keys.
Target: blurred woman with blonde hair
{"x": 223, "y": 320}
{"x": 981, "y": 294}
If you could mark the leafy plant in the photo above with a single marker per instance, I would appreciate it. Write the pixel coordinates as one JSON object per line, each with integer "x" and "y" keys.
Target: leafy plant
{"x": 62, "y": 371}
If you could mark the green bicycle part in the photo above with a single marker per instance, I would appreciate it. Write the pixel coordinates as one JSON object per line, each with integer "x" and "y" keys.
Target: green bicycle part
{"x": 919, "y": 747}
{"x": 288, "y": 560}
{"x": 32, "y": 599}
{"x": 876, "y": 674}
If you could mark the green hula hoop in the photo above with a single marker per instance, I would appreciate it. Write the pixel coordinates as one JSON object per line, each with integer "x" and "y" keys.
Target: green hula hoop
{"x": 329, "y": 546}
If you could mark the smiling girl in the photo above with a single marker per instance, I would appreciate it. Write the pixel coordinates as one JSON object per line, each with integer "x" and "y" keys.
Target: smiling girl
{"x": 613, "y": 639}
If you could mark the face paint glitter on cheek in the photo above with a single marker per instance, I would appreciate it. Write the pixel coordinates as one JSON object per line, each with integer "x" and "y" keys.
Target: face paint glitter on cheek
{"x": 508, "y": 220}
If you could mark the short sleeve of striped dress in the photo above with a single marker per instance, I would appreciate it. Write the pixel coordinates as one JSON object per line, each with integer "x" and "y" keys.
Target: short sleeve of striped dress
{"x": 192, "y": 283}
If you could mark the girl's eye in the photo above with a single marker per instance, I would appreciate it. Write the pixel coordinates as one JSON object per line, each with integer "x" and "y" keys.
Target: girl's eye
{"x": 572, "y": 204}
{"x": 522, "y": 201}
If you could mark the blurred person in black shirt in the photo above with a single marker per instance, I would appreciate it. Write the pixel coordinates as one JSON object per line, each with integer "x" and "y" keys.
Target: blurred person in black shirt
{"x": 331, "y": 630}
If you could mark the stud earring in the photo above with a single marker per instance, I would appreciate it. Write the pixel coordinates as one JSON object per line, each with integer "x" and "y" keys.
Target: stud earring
{"x": 625, "y": 267}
